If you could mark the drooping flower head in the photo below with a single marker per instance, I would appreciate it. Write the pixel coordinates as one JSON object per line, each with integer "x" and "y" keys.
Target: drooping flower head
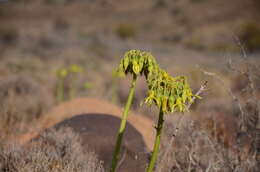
{"x": 169, "y": 93}
{"x": 137, "y": 62}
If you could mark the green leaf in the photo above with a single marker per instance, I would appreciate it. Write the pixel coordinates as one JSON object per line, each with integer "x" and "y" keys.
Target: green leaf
{"x": 199, "y": 97}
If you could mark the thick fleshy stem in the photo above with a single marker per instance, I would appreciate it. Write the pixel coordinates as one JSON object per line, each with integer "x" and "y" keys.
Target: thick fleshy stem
{"x": 156, "y": 147}
{"x": 120, "y": 133}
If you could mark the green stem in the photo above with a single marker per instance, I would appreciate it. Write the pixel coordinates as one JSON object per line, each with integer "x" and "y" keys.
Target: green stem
{"x": 72, "y": 89}
{"x": 123, "y": 125}
{"x": 60, "y": 91}
{"x": 157, "y": 142}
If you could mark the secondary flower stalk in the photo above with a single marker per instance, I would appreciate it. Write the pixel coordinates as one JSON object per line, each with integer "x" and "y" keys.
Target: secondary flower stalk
{"x": 169, "y": 94}
{"x": 158, "y": 128}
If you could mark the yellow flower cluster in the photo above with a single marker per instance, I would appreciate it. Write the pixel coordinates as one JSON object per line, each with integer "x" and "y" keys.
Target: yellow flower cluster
{"x": 168, "y": 93}
{"x": 64, "y": 72}
{"x": 137, "y": 62}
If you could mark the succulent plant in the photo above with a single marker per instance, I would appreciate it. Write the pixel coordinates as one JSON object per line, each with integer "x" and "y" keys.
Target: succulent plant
{"x": 169, "y": 94}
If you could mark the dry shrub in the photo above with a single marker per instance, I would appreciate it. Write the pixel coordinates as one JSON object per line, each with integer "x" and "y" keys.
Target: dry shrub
{"x": 246, "y": 93}
{"x": 2, "y": 11}
{"x": 194, "y": 149}
{"x": 227, "y": 139}
{"x": 8, "y": 35}
{"x": 54, "y": 151}
{"x": 250, "y": 36}
{"x": 22, "y": 101}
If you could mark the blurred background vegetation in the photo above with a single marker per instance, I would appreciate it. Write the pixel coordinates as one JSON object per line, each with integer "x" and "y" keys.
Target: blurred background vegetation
{"x": 38, "y": 37}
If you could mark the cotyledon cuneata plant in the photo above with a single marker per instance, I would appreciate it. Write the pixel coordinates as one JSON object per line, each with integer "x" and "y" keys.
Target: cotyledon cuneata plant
{"x": 135, "y": 63}
{"x": 62, "y": 75}
{"x": 169, "y": 94}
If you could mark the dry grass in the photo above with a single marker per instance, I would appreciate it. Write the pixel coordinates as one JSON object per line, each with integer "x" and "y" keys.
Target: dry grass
{"x": 195, "y": 149}
{"x": 22, "y": 102}
{"x": 53, "y": 151}
{"x": 217, "y": 139}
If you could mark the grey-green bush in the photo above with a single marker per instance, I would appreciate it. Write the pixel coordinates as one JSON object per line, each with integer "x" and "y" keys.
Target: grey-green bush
{"x": 22, "y": 101}
{"x": 53, "y": 151}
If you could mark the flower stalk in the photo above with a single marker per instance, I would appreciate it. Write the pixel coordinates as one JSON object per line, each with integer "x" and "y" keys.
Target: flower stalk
{"x": 158, "y": 128}
{"x": 135, "y": 63}
{"x": 62, "y": 74}
{"x": 120, "y": 133}
{"x": 74, "y": 70}
{"x": 60, "y": 91}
